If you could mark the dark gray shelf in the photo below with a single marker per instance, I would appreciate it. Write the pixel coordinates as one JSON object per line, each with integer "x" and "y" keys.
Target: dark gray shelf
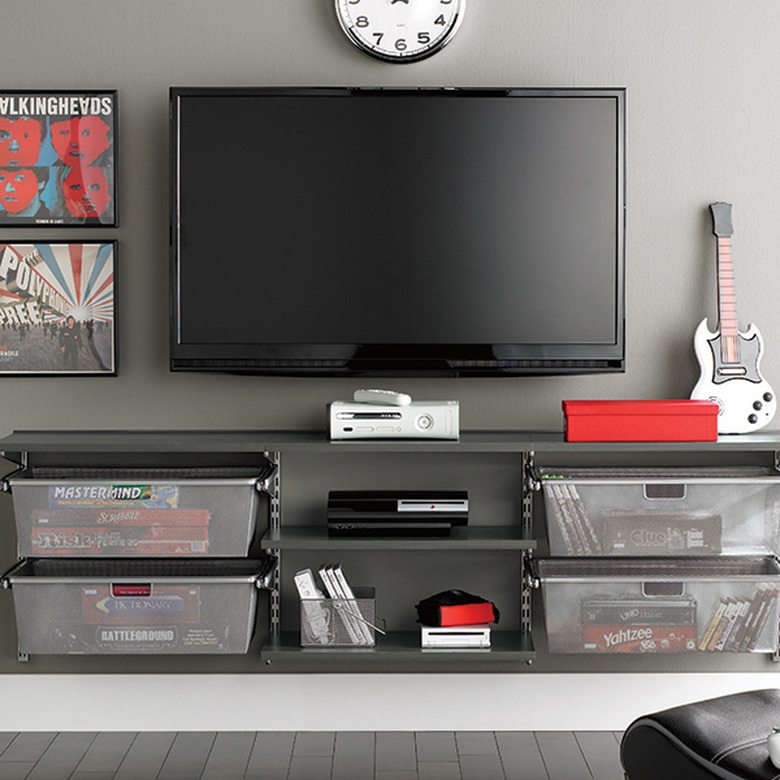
{"x": 513, "y": 646}
{"x": 185, "y": 441}
{"x": 469, "y": 441}
{"x": 160, "y": 441}
{"x": 470, "y": 538}
{"x": 761, "y": 441}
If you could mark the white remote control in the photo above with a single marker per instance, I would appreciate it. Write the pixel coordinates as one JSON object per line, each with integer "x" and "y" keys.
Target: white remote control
{"x": 304, "y": 581}
{"x": 384, "y": 397}
{"x": 317, "y": 618}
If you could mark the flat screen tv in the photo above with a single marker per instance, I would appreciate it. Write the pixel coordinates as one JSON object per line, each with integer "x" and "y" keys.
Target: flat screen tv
{"x": 380, "y": 232}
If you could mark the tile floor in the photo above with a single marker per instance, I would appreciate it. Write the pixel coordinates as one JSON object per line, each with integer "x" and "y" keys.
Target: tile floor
{"x": 463, "y": 755}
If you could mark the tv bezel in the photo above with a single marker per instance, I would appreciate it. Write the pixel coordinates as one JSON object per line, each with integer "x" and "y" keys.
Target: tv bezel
{"x": 408, "y": 360}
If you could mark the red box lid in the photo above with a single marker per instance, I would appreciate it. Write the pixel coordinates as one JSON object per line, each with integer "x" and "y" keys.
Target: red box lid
{"x": 642, "y": 407}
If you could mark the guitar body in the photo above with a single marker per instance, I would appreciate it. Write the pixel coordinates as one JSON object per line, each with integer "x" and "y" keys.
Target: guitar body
{"x": 746, "y": 401}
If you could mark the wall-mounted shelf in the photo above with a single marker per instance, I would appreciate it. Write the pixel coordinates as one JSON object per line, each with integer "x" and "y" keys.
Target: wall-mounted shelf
{"x": 403, "y": 646}
{"x": 244, "y": 441}
{"x": 493, "y": 552}
{"x": 468, "y": 538}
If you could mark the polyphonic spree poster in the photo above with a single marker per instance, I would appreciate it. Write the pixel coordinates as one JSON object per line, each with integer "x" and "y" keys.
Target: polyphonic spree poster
{"x": 57, "y": 308}
{"x": 57, "y": 158}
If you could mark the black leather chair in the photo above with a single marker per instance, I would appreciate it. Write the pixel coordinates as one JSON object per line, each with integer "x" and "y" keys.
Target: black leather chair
{"x": 718, "y": 738}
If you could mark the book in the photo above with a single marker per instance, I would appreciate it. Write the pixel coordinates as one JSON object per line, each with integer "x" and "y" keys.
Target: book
{"x": 345, "y": 610}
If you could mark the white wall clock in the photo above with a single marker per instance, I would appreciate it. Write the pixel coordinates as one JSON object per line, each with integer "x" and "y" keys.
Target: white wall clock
{"x": 400, "y": 30}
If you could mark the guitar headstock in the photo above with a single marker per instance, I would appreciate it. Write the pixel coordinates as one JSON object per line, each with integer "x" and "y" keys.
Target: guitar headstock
{"x": 721, "y": 220}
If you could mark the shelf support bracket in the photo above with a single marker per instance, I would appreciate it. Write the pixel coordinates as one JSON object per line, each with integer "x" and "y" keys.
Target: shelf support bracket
{"x": 21, "y": 460}
{"x": 275, "y": 521}
{"x": 527, "y": 527}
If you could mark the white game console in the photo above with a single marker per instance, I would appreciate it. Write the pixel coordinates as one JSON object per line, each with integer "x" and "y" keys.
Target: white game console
{"x": 455, "y": 637}
{"x": 414, "y": 420}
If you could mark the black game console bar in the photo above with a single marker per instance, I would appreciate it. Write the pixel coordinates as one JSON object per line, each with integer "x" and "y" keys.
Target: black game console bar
{"x": 396, "y": 513}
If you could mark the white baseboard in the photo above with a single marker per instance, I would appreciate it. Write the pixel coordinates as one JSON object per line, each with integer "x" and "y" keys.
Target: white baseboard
{"x": 359, "y": 702}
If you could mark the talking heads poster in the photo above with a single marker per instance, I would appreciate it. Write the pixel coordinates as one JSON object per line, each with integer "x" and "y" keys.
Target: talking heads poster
{"x": 58, "y": 158}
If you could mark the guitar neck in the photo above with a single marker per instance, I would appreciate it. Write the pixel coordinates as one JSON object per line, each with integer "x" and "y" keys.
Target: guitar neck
{"x": 727, "y": 303}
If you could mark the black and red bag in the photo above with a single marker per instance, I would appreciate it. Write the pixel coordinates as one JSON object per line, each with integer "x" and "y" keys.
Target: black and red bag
{"x": 456, "y": 608}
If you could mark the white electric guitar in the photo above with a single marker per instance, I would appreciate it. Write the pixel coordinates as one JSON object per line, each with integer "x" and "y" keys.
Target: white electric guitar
{"x": 729, "y": 358}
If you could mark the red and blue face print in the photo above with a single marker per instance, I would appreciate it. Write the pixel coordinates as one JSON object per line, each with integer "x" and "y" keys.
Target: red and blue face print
{"x": 57, "y": 155}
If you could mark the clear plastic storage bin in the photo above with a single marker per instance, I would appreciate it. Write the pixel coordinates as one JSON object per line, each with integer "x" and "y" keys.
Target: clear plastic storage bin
{"x": 638, "y": 512}
{"x": 340, "y": 622}
{"x": 136, "y": 512}
{"x": 140, "y": 607}
{"x": 661, "y": 605}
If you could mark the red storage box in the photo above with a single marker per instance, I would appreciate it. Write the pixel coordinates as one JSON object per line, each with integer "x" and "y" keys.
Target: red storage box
{"x": 655, "y": 420}
{"x": 467, "y": 614}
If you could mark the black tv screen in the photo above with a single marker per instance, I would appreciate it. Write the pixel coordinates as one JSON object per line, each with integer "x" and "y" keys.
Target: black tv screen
{"x": 461, "y": 232}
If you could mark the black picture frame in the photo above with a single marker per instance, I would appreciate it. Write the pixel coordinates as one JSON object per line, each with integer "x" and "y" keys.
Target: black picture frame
{"x": 58, "y": 154}
{"x": 45, "y": 285}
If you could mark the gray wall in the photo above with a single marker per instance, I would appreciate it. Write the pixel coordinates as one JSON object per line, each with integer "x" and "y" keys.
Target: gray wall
{"x": 703, "y": 125}
{"x": 703, "y": 113}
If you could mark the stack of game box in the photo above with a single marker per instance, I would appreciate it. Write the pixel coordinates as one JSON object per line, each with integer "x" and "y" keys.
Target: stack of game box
{"x": 636, "y": 625}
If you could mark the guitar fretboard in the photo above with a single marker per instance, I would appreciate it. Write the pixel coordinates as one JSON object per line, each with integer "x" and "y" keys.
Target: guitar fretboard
{"x": 727, "y": 303}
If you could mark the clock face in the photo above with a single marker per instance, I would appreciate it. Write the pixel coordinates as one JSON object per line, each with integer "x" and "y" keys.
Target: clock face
{"x": 399, "y": 30}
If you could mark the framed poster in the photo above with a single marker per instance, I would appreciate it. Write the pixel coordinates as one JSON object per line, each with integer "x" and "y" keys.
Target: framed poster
{"x": 58, "y": 158}
{"x": 58, "y": 308}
